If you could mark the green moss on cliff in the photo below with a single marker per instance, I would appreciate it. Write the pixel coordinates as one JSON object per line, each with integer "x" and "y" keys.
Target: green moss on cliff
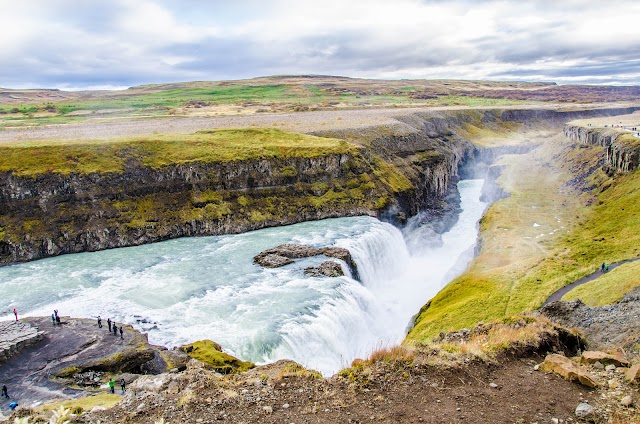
{"x": 209, "y": 353}
{"x": 105, "y": 156}
{"x": 391, "y": 177}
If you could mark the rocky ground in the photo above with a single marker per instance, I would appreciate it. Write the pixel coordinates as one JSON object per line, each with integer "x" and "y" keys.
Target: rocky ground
{"x": 503, "y": 392}
{"x": 47, "y": 370}
{"x": 456, "y": 379}
{"x": 610, "y": 327}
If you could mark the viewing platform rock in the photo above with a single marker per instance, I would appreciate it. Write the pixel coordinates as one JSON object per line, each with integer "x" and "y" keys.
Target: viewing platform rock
{"x": 15, "y": 336}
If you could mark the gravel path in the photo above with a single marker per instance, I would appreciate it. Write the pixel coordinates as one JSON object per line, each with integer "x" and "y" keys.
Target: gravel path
{"x": 566, "y": 289}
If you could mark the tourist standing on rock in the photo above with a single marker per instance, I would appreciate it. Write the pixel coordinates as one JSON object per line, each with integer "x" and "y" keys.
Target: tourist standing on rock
{"x": 115, "y": 329}
{"x": 15, "y": 312}
{"x": 53, "y": 320}
{"x": 4, "y": 391}
{"x": 112, "y": 385}
{"x": 121, "y": 336}
{"x": 57, "y": 319}
{"x": 123, "y": 384}
{"x": 99, "y": 322}
{"x": 109, "y": 324}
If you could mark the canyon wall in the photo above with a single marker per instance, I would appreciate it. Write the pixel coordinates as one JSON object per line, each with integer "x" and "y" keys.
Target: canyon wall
{"x": 390, "y": 172}
{"x": 622, "y": 149}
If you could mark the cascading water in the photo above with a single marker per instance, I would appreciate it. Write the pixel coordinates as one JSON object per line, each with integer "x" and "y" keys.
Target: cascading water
{"x": 190, "y": 289}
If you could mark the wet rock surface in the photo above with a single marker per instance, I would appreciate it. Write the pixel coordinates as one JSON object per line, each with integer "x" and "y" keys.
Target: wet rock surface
{"x": 326, "y": 269}
{"x": 77, "y": 352}
{"x": 286, "y": 253}
{"x": 16, "y": 336}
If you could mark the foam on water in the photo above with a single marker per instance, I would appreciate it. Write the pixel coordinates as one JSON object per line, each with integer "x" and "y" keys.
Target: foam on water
{"x": 190, "y": 289}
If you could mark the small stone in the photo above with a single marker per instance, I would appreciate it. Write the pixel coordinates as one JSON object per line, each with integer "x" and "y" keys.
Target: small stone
{"x": 627, "y": 401}
{"x": 493, "y": 385}
{"x": 598, "y": 365}
{"x": 584, "y": 410}
{"x": 536, "y": 367}
{"x": 458, "y": 409}
{"x": 267, "y": 409}
{"x": 555, "y": 420}
{"x": 199, "y": 420}
{"x": 610, "y": 367}
{"x": 285, "y": 406}
{"x": 613, "y": 384}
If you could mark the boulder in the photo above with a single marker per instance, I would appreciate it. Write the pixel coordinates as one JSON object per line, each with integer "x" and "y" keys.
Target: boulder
{"x": 326, "y": 269}
{"x": 210, "y": 354}
{"x": 633, "y": 373}
{"x": 286, "y": 251}
{"x": 272, "y": 260}
{"x": 593, "y": 356}
{"x": 565, "y": 368}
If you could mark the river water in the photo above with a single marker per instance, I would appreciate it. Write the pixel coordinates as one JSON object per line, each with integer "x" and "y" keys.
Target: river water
{"x": 189, "y": 289}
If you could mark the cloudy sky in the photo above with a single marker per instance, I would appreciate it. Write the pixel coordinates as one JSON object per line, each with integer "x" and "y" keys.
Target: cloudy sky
{"x": 120, "y": 43}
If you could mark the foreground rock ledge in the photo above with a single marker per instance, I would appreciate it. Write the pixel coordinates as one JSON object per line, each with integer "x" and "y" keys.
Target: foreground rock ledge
{"x": 286, "y": 253}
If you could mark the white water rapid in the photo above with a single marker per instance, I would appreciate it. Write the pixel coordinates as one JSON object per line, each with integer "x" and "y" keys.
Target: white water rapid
{"x": 190, "y": 289}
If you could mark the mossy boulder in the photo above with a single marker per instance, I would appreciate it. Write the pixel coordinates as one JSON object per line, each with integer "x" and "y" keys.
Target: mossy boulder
{"x": 210, "y": 353}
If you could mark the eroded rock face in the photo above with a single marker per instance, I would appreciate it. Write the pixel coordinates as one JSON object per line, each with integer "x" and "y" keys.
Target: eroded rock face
{"x": 606, "y": 327}
{"x": 619, "y": 155}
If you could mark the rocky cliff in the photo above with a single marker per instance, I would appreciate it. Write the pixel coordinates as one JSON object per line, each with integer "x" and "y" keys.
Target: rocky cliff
{"x": 622, "y": 149}
{"x": 388, "y": 171}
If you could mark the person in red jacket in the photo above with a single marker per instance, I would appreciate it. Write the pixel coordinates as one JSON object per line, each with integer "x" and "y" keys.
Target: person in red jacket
{"x": 15, "y": 312}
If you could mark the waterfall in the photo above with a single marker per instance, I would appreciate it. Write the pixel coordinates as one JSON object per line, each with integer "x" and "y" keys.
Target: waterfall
{"x": 189, "y": 289}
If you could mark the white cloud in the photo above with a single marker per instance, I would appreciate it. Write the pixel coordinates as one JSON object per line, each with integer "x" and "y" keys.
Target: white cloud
{"x": 89, "y": 42}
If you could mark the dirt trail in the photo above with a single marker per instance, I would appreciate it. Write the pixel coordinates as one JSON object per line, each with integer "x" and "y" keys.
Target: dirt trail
{"x": 418, "y": 394}
{"x": 594, "y": 275}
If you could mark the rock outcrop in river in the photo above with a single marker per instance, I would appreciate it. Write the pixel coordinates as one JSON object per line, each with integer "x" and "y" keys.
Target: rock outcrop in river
{"x": 286, "y": 253}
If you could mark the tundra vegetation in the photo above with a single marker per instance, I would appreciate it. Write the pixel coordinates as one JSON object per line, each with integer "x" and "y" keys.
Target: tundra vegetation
{"x": 23, "y": 108}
